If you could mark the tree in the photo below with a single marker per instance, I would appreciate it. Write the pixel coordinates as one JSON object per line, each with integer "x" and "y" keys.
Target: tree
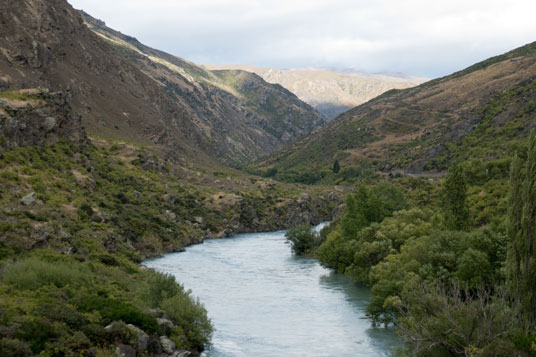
{"x": 336, "y": 167}
{"x": 455, "y": 199}
{"x": 522, "y": 221}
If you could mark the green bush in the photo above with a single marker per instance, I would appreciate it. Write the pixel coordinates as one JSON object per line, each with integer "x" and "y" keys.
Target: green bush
{"x": 111, "y": 309}
{"x": 303, "y": 239}
{"x": 33, "y": 273}
{"x": 159, "y": 288}
{"x": 449, "y": 322}
{"x": 14, "y": 348}
{"x": 191, "y": 317}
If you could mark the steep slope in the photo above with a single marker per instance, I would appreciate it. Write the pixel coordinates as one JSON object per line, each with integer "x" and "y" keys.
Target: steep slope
{"x": 242, "y": 115}
{"x": 44, "y": 43}
{"x": 330, "y": 91}
{"x": 481, "y": 112}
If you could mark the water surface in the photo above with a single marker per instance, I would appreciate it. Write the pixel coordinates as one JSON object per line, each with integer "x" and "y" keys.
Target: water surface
{"x": 263, "y": 301}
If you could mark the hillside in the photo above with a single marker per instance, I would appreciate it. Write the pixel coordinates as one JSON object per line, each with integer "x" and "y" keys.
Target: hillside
{"x": 46, "y": 44}
{"x": 243, "y": 116}
{"x": 479, "y": 113}
{"x": 128, "y": 91}
{"x": 330, "y": 91}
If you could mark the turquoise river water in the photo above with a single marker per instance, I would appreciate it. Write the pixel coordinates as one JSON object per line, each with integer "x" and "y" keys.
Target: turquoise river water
{"x": 266, "y": 302}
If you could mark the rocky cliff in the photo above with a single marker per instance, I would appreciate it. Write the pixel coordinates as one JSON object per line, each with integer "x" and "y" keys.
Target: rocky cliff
{"x": 38, "y": 117}
{"x": 46, "y": 44}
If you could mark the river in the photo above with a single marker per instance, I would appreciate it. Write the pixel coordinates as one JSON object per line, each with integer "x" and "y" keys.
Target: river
{"x": 266, "y": 302}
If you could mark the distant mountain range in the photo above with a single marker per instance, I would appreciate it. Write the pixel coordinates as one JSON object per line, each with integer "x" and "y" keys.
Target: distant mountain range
{"x": 330, "y": 90}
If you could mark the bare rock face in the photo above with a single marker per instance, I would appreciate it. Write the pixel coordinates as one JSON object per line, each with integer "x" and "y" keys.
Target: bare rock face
{"x": 37, "y": 117}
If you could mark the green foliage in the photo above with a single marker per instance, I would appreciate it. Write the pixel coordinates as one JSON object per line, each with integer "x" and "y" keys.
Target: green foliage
{"x": 444, "y": 257}
{"x": 376, "y": 242}
{"x": 192, "y": 320}
{"x": 336, "y": 167}
{"x": 159, "y": 288}
{"x": 33, "y": 273}
{"x": 369, "y": 205}
{"x": 366, "y": 206}
{"x": 116, "y": 310}
{"x": 60, "y": 306}
{"x": 448, "y": 322}
{"x": 521, "y": 219}
{"x": 455, "y": 199}
{"x": 336, "y": 252}
{"x": 303, "y": 239}
{"x": 14, "y": 348}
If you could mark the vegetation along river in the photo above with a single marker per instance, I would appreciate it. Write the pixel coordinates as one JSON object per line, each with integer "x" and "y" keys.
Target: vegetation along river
{"x": 263, "y": 301}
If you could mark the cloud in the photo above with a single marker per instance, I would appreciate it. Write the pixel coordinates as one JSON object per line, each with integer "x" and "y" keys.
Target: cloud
{"x": 420, "y": 37}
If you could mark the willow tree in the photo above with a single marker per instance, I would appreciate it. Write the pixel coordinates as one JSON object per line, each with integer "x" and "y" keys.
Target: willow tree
{"x": 522, "y": 228}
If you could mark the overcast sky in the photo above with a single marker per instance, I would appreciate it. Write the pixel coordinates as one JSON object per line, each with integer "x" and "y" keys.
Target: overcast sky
{"x": 421, "y": 37}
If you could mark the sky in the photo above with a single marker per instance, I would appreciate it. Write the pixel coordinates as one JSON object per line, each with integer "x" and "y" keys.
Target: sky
{"x": 428, "y": 38}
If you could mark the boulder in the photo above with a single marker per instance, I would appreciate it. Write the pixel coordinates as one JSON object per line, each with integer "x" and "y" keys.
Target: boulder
{"x": 125, "y": 351}
{"x": 142, "y": 339}
{"x": 168, "y": 346}
{"x": 164, "y": 323}
{"x": 49, "y": 123}
{"x": 29, "y": 199}
{"x": 171, "y": 216}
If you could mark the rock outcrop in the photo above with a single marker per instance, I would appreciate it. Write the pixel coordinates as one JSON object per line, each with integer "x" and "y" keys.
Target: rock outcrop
{"x": 38, "y": 117}
{"x": 133, "y": 341}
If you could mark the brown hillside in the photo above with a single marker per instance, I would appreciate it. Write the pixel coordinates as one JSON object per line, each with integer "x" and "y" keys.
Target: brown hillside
{"x": 480, "y": 112}
{"x": 241, "y": 114}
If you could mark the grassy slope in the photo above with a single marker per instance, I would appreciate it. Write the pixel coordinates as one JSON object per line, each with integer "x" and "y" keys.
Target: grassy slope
{"x": 426, "y": 128}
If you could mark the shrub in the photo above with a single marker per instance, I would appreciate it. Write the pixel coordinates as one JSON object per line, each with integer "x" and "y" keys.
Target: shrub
{"x": 160, "y": 287}
{"x": 303, "y": 239}
{"x": 191, "y": 317}
{"x": 33, "y": 273}
{"x": 14, "y": 348}
{"x": 438, "y": 321}
{"x": 116, "y": 310}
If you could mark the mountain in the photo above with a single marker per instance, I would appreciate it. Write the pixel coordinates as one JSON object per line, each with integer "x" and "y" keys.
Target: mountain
{"x": 331, "y": 91}
{"x": 243, "y": 116}
{"x": 45, "y": 43}
{"x": 482, "y": 112}
{"x": 127, "y": 91}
